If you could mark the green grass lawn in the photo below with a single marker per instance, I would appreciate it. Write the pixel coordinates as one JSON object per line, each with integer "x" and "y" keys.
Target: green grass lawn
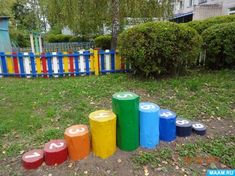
{"x": 33, "y": 111}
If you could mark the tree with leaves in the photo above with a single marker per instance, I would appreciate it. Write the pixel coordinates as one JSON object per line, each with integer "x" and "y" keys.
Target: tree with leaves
{"x": 89, "y": 16}
{"x": 6, "y": 7}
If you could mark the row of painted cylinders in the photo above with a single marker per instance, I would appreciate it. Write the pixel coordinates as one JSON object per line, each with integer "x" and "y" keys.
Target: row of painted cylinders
{"x": 129, "y": 125}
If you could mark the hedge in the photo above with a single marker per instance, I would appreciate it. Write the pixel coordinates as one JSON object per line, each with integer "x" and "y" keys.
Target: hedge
{"x": 103, "y": 41}
{"x": 219, "y": 43}
{"x": 52, "y": 38}
{"x": 157, "y": 48}
{"x": 79, "y": 39}
{"x": 201, "y": 25}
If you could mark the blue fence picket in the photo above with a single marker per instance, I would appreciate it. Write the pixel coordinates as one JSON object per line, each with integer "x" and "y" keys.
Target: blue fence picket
{"x": 61, "y": 70}
{"x": 4, "y": 64}
{"x": 32, "y": 61}
{"x": 76, "y": 56}
{"x": 21, "y": 62}
{"x": 112, "y": 52}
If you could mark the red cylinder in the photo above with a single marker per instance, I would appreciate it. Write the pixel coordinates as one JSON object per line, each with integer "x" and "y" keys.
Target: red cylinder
{"x": 55, "y": 152}
{"x": 33, "y": 159}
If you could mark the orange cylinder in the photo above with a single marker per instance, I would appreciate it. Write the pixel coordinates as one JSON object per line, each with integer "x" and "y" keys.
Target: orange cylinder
{"x": 78, "y": 141}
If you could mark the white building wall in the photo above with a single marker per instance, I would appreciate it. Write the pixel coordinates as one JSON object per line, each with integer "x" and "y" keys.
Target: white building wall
{"x": 207, "y": 11}
{"x": 201, "y": 8}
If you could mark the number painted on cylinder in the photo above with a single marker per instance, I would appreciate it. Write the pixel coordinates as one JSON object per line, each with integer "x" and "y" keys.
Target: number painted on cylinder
{"x": 166, "y": 114}
{"x": 182, "y": 122}
{"x": 54, "y": 145}
{"x": 76, "y": 131}
{"x": 147, "y": 106}
{"x": 126, "y": 95}
{"x": 101, "y": 115}
{"x": 34, "y": 155}
{"x": 198, "y": 125}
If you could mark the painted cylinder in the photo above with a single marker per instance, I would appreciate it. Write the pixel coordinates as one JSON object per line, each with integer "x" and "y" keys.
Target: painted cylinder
{"x": 183, "y": 127}
{"x": 103, "y": 133}
{"x": 126, "y": 106}
{"x": 78, "y": 141}
{"x": 33, "y": 159}
{"x": 167, "y": 125}
{"x": 55, "y": 152}
{"x": 149, "y": 125}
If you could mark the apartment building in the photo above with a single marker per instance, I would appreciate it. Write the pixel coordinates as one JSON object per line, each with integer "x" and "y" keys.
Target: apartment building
{"x": 188, "y": 10}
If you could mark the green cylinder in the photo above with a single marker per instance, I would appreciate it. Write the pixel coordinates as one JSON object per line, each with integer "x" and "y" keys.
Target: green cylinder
{"x": 125, "y": 105}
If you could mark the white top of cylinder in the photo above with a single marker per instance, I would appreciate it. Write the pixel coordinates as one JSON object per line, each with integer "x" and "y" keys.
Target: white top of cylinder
{"x": 148, "y": 107}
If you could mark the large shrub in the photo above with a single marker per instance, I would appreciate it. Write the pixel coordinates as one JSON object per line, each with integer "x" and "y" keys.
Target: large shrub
{"x": 201, "y": 25}
{"x": 219, "y": 43}
{"x": 103, "y": 41}
{"x": 160, "y": 48}
{"x": 19, "y": 38}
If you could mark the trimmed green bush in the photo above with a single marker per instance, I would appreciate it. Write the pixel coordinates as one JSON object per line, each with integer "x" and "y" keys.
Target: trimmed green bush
{"x": 75, "y": 39}
{"x": 219, "y": 43}
{"x": 103, "y": 41}
{"x": 79, "y": 39}
{"x": 201, "y": 25}
{"x": 52, "y": 38}
{"x": 158, "y": 48}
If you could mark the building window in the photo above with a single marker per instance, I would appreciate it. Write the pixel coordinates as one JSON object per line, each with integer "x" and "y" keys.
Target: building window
{"x": 190, "y": 3}
{"x": 231, "y": 11}
{"x": 181, "y": 5}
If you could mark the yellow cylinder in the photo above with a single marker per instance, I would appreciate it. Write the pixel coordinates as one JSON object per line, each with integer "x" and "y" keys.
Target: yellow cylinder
{"x": 103, "y": 133}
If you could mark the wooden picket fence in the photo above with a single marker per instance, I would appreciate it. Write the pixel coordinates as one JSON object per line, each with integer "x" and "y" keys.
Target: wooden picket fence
{"x": 58, "y": 64}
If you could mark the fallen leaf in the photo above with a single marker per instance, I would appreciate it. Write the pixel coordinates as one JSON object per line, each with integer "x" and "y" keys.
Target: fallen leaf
{"x": 85, "y": 172}
{"x": 158, "y": 169}
{"x": 223, "y": 166}
{"x": 70, "y": 165}
{"x": 146, "y": 172}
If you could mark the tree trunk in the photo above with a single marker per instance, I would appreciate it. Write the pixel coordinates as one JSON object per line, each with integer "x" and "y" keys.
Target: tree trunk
{"x": 115, "y": 23}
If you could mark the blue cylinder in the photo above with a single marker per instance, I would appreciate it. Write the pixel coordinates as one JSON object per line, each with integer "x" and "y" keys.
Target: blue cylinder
{"x": 149, "y": 125}
{"x": 167, "y": 126}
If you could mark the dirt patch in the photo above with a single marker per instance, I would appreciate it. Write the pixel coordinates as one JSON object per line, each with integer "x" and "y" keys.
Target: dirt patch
{"x": 219, "y": 127}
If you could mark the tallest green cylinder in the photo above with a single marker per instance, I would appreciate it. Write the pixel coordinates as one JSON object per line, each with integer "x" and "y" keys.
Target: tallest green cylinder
{"x": 126, "y": 105}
